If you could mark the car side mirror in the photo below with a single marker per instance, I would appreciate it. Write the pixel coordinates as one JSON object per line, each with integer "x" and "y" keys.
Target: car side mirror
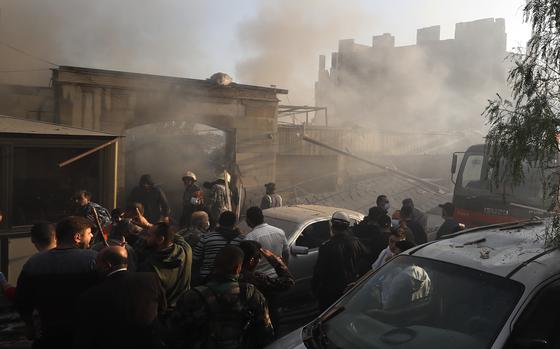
{"x": 299, "y": 250}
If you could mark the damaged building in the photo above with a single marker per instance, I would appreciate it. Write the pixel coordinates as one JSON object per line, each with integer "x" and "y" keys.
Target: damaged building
{"x": 377, "y": 98}
{"x": 434, "y": 85}
{"x": 171, "y": 125}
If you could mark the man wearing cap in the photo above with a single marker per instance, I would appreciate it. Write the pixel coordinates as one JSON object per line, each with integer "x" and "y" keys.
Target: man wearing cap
{"x": 152, "y": 197}
{"x": 271, "y": 199}
{"x": 340, "y": 262}
{"x": 450, "y": 225}
{"x": 219, "y": 202}
{"x": 193, "y": 199}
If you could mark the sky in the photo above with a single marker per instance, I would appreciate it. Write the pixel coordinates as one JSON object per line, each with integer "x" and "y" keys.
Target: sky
{"x": 264, "y": 42}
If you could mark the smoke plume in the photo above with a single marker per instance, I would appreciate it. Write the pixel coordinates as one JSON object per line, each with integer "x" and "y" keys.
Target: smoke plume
{"x": 130, "y": 35}
{"x": 286, "y": 37}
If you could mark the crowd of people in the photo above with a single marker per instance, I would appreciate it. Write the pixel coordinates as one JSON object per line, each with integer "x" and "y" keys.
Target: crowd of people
{"x": 132, "y": 278}
{"x": 214, "y": 198}
{"x": 353, "y": 250}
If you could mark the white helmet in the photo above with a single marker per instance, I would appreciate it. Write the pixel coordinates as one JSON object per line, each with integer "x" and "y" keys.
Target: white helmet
{"x": 224, "y": 176}
{"x": 190, "y": 174}
{"x": 340, "y": 217}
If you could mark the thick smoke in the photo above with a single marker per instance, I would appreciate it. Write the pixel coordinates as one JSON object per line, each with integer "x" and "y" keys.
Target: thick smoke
{"x": 432, "y": 88}
{"x": 286, "y": 37}
{"x": 130, "y": 35}
{"x": 441, "y": 86}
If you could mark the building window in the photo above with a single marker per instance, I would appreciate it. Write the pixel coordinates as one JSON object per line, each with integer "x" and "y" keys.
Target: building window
{"x": 42, "y": 190}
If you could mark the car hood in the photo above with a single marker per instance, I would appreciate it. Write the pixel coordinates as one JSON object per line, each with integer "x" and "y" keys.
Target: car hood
{"x": 292, "y": 340}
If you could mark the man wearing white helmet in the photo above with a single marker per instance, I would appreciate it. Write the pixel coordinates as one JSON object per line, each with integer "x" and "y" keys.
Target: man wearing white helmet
{"x": 341, "y": 261}
{"x": 193, "y": 199}
{"x": 219, "y": 200}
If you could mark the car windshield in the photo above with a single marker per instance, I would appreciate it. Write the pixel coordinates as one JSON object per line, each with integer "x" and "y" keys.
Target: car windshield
{"x": 414, "y": 302}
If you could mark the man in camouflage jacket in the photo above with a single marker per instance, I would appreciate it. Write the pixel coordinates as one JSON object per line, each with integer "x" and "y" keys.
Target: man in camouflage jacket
{"x": 223, "y": 313}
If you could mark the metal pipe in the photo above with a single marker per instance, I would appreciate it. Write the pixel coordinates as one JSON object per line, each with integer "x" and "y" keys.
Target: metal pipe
{"x": 91, "y": 151}
{"x": 428, "y": 186}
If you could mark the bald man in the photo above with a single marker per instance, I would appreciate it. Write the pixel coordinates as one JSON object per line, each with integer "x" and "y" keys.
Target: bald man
{"x": 199, "y": 226}
{"x": 121, "y": 311}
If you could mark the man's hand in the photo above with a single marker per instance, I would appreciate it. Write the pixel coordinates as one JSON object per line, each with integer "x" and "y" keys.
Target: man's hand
{"x": 141, "y": 220}
{"x": 271, "y": 257}
{"x": 267, "y": 253}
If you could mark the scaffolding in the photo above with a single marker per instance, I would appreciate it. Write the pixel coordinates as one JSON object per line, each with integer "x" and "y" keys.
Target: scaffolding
{"x": 293, "y": 110}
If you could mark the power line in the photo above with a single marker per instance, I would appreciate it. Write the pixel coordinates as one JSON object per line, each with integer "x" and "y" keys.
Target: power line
{"x": 28, "y": 54}
{"x": 23, "y": 70}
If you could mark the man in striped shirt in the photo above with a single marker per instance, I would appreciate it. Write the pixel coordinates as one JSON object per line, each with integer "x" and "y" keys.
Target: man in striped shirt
{"x": 210, "y": 244}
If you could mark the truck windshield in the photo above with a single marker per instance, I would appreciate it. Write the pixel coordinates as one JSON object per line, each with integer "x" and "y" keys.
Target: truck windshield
{"x": 476, "y": 175}
{"x": 415, "y": 302}
{"x": 472, "y": 171}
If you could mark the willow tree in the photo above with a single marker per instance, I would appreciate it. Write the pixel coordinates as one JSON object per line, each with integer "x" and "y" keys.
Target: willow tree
{"x": 523, "y": 129}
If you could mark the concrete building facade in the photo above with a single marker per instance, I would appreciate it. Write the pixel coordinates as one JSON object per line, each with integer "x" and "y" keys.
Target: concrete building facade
{"x": 112, "y": 101}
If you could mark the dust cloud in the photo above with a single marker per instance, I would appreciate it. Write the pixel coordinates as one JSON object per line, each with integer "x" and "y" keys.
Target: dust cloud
{"x": 286, "y": 36}
{"x": 413, "y": 89}
{"x": 130, "y": 35}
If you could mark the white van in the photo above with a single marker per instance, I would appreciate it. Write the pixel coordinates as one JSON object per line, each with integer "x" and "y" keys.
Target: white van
{"x": 490, "y": 287}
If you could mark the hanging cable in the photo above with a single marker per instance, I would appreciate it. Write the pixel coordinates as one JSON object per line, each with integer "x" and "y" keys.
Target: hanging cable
{"x": 23, "y": 70}
{"x": 28, "y": 54}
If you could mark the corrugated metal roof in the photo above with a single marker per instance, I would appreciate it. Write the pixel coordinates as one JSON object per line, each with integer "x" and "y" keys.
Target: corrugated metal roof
{"x": 11, "y": 125}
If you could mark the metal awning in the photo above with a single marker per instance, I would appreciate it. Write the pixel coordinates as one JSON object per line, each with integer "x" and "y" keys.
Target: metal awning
{"x": 16, "y": 126}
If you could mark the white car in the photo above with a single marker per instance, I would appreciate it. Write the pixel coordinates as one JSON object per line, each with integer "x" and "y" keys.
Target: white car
{"x": 490, "y": 287}
{"x": 306, "y": 228}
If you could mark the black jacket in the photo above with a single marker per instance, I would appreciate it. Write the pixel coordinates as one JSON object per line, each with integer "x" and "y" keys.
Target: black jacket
{"x": 154, "y": 202}
{"x": 372, "y": 237}
{"x": 419, "y": 233}
{"x": 340, "y": 262}
{"x": 120, "y": 312}
{"x": 51, "y": 282}
{"x": 449, "y": 226}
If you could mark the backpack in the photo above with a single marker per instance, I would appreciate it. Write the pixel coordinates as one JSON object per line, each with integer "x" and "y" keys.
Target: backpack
{"x": 227, "y": 324}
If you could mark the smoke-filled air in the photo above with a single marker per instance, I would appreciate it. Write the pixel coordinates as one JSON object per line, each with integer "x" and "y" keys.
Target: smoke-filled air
{"x": 279, "y": 174}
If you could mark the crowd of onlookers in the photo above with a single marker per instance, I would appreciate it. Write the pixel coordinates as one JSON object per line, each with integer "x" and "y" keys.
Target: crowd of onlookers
{"x": 132, "y": 278}
{"x": 354, "y": 250}
{"x": 144, "y": 286}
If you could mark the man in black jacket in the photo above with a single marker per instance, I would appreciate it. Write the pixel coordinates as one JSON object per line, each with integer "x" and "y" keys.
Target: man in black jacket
{"x": 340, "y": 262}
{"x": 372, "y": 234}
{"x": 121, "y": 311}
{"x": 418, "y": 232}
{"x": 152, "y": 197}
{"x": 51, "y": 282}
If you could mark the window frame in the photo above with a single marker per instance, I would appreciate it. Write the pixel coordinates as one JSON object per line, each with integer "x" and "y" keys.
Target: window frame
{"x": 302, "y": 229}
